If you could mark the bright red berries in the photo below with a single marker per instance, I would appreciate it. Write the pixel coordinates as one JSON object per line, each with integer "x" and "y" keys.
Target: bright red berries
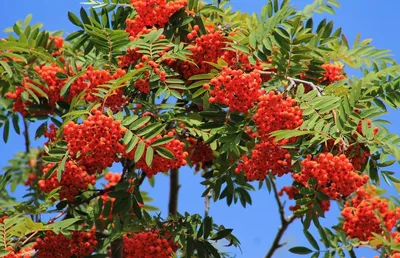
{"x": 267, "y": 157}
{"x": 95, "y": 143}
{"x": 332, "y": 73}
{"x": 150, "y": 13}
{"x": 335, "y": 175}
{"x": 148, "y": 244}
{"x": 365, "y": 213}
{"x": 91, "y": 81}
{"x": 275, "y": 112}
{"x": 22, "y": 253}
{"x": 200, "y": 155}
{"x": 112, "y": 178}
{"x": 79, "y": 245}
{"x": 74, "y": 179}
{"x": 236, "y": 89}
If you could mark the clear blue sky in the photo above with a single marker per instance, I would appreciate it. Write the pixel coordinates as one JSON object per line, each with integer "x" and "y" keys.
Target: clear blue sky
{"x": 256, "y": 225}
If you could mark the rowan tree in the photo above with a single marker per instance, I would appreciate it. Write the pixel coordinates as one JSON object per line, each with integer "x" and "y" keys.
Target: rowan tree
{"x": 156, "y": 85}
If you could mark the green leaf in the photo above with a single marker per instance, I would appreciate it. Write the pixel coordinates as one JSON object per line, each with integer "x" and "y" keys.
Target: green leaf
{"x": 127, "y": 137}
{"x": 202, "y": 76}
{"x": 207, "y": 226}
{"x": 198, "y": 93}
{"x": 222, "y": 234}
{"x": 140, "y": 122}
{"x": 300, "y": 250}
{"x": 74, "y": 19}
{"x": 68, "y": 84}
{"x": 286, "y": 134}
{"x": 6, "y": 131}
{"x": 162, "y": 141}
{"x": 189, "y": 247}
{"x": 61, "y": 76}
{"x": 149, "y": 155}
{"x": 139, "y": 151}
{"x": 165, "y": 153}
{"x": 311, "y": 239}
{"x": 7, "y": 68}
{"x": 61, "y": 168}
{"x": 198, "y": 84}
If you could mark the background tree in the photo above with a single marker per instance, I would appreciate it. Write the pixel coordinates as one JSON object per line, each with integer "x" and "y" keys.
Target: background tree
{"x": 156, "y": 85}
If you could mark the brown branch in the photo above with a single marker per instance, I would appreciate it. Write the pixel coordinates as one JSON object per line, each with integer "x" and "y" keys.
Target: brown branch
{"x": 26, "y": 135}
{"x": 58, "y": 216}
{"x": 173, "y": 192}
{"x": 285, "y": 222}
{"x": 93, "y": 196}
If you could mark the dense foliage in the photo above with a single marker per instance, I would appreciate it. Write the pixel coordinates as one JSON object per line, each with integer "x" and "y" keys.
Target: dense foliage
{"x": 156, "y": 85}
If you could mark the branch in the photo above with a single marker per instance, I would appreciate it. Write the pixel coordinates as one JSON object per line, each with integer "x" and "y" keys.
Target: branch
{"x": 285, "y": 222}
{"x": 26, "y": 135}
{"x": 294, "y": 82}
{"x": 93, "y": 196}
{"x": 140, "y": 179}
{"x": 173, "y": 192}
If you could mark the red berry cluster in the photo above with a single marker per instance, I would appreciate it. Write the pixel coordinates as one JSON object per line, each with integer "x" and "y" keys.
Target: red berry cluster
{"x": 236, "y": 89}
{"x": 159, "y": 163}
{"x": 361, "y": 218}
{"x": 200, "y": 154}
{"x": 51, "y": 88}
{"x": 191, "y": 35}
{"x": 58, "y": 42}
{"x": 95, "y": 143}
{"x": 22, "y": 253}
{"x": 81, "y": 244}
{"x": 74, "y": 179}
{"x": 266, "y": 157}
{"x": 332, "y": 73}
{"x": 91, "y": 80}
{"x": 143, "y": 85}
{"x": 148, "y": 245}
{"x": 335, "y": 175}
{"x": 275, "y": 112}
{"x": 151, "y": 13}
{"x": 112, "y": 178}
{"x": 201, "y": 54}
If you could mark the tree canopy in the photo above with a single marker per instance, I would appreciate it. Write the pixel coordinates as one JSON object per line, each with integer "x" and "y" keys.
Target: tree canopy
{"x": 242, "y": 99}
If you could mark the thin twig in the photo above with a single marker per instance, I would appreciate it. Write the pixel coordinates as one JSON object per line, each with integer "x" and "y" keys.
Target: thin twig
{"x": 285, "y": 222}
{"x": 57, "y": 217}
{"x": 93, "y": 196}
